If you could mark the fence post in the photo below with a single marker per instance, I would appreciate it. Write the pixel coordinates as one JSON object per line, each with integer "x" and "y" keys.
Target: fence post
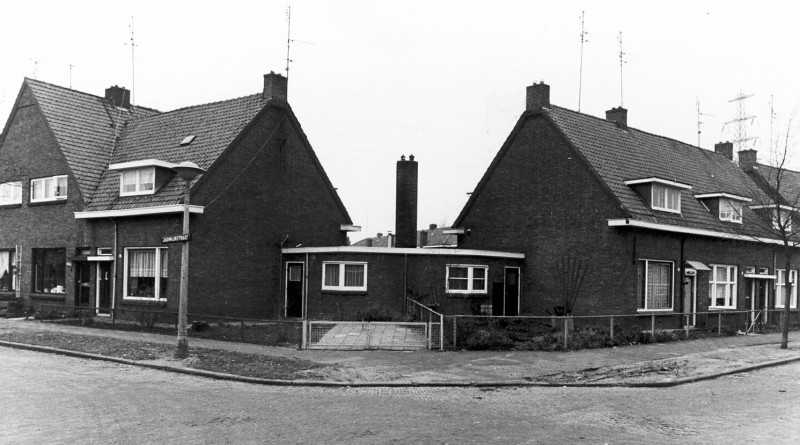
{"x": 612, "y": 330}
{"x": 653, "y": 327}
{"x": 566, "y": 338}
{"x": 241, "y": 329}
{"x": 719, "y": 323}
{"x": 455, "y": 332}
{"x": 441, "y": 332}
{"x": 304, "y": 338}
{"x": 687, "y": 326}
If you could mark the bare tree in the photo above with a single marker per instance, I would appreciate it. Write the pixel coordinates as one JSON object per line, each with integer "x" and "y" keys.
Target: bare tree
{"x": 777, "y": 202}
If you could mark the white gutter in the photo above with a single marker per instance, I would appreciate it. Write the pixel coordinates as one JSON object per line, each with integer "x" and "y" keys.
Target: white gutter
{"x": 627, "y": 222}
{"x": 405, "y": 251}
{"x": 143, "y": 211}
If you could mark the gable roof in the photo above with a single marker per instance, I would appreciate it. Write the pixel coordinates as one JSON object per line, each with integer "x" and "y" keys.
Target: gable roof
{"x": 618, "y": 154}
{"x": 84, "y": 126}
{"x": 215, "y": 126}
{"x": 780, "y": 180}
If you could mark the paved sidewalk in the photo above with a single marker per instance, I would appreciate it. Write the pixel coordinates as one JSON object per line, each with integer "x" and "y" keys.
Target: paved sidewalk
{"x": 660, "y": 364}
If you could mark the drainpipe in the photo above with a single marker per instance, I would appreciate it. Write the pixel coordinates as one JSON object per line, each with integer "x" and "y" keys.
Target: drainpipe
{"x": 680, "y": 270}
{"x": 114, "y": 275}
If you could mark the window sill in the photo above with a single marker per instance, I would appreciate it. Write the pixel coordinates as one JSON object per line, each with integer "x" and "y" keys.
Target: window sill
{"x": 721, "y": 309}
{"x": 47, "y": 203}
{"x": 653, "y": 311}
{"x": 11, "y": 206}
{"x": 466, "y": 294}
{"x": 48, "y": 296}
{"x": 343, "y": 292}
{"x": 152, "y": 302}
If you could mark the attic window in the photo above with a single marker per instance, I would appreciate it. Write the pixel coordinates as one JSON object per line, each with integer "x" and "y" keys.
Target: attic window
{"x": 730, "y": 210}
{"x": 137, "y": 182}
{"x": 188, "y": 139}
{"x": 660, "y": 194}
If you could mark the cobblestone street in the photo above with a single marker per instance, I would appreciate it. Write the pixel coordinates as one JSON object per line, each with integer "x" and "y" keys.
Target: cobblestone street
{"x": 56, "y": 399}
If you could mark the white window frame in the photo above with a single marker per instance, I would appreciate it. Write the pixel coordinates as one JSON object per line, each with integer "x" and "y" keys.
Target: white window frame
{"x": 11, "y": 193}
{"x": 671, "y": 286}
{"x": 470, "y": 277}
{"x": 787, "y": 216}
{"x": 157, "y": 291}
{"x": 138, "y": 182}
{"x": 734, "y": 207}
{"x": 730, "y": 286}
{"x": 341, "y": 285}
{"x": 665, "y": 191}
{"x": 780, "y": 288}
{"x": 52, "y": 190}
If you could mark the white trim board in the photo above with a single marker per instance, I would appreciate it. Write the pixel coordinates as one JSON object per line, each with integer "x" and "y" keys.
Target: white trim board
{"x": 158, "y": 210}
{"x": 404, "y": 251}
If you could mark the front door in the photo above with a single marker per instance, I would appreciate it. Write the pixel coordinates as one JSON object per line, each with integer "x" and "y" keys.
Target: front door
{"x": 759, "y": 291}
{"x": 690, "y": 300}
{"x": 83, "y": 283}
{"x": 294, "y": 290}
{"x": 511, "y": 292}
{"x": 104, "y": 287}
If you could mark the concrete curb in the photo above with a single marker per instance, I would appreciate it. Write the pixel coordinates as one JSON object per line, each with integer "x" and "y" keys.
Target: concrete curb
{"x": 395, "y": 384}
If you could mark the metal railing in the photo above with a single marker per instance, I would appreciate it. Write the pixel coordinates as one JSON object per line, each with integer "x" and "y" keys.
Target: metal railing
{"x": 435, "y": 322}
{"x": 650, "y": 326}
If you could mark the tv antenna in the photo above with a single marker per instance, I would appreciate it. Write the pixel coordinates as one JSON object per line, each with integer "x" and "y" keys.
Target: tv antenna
{"x": 70, "y": 75}
{"x": 741, "y": 122}
{"x": 621, "y": 62}
{"x": 699, "y": 122}
{"x": 133, "y": 61}
{"x": 580, "y": 72}
{"x": 288, "y": 38}
{"x": 773, "y": 146}
{"x": 35, "y": 67}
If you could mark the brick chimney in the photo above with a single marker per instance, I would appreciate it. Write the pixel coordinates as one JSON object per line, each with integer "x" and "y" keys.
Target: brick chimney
{"x": 725, "y": 149}
{"x": 747, "y": 159}
{"x": 422, "y": 238}
{"x": 119, "y": 96}
{"x": 538, "y": 97}
{"x": 405, "y": 217}
{"x": 619, "y": 116}
{"x": 275, "y": 86}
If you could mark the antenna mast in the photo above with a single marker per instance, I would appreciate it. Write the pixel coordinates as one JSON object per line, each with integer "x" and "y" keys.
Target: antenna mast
{"x": 740, "y": 121}
{"x": 133, "y": 62}
{"x": 580, "y": 72}
{"x": 621, "y": 62}
{"x": 288, "y": 37}
{"x": 773, "y": 149}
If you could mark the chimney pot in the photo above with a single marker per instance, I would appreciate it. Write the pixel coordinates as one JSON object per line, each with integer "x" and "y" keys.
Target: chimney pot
{"x": 538, "y": 97}
{"x": 619, "y": 116}
{"x": 275, "y": 86}
{"x": 432, "y": 227}
{"x": 725, "y": 149}
{"x": 119, "y": 96}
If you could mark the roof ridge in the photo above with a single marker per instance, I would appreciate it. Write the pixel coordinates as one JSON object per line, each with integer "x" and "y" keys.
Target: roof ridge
{"x": 84, "y": 93}
{"x": 206, "y": 104}
{"x": 666, "y": 138}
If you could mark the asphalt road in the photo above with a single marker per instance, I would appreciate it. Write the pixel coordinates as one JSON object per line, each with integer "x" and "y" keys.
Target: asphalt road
{"x": 62, "y": 400}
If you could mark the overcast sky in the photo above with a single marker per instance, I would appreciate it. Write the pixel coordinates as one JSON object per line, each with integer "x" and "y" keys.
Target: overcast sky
{"x": 444, "y": 80}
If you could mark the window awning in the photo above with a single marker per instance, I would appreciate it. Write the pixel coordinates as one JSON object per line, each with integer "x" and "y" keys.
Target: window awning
{"x": 759, "y": 276}
{"x": 697, "y": 265}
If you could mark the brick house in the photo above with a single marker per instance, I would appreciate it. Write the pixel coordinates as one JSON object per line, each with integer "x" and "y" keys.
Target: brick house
{"x": 659, "y": 226}
{"x": 88, "y": 192}
{"x": 347, "y": 282}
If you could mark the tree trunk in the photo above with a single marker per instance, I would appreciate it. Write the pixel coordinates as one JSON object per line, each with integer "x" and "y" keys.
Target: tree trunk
{"x": 787, "y": 300}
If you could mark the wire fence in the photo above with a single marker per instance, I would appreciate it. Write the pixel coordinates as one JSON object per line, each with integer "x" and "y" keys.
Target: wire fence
{"x": 213, "y": 327}
{"x": 577, "y": 332}
{"x": 365, "y": 335}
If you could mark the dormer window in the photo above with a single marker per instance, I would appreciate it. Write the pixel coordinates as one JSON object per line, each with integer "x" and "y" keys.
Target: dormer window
{"x": 659, "y": 194}
{"x": 782, "y": 220}
{"x": 730, "y": 210}
{"x": 666, "y": 198}
{"x": 137, "y": 182}
{"x": 727, "y": 206}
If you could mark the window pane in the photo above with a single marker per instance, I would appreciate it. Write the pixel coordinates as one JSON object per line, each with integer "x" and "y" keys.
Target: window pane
{"x": 146, "y": 179}
{"x": 142, "y": 273}
{"x": 673, "y": 199}
{"x": 658, "y": 196}
{"x": 164, "y": 275}
{"x": 353, "y": 275}
{"x": 458, "y": 272}
{"x": 6, "y": 276}
{"x": 36, "y": 189}
{"x": 61, "y": 186}
{"x": 295, "y": 273}
{"x": 331, "y": 275}
{"x": 49, "y": 270}
{"x": 722, "y": 274}
{"x": 659, "y": 284}
{"x": 128, "y": 182}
